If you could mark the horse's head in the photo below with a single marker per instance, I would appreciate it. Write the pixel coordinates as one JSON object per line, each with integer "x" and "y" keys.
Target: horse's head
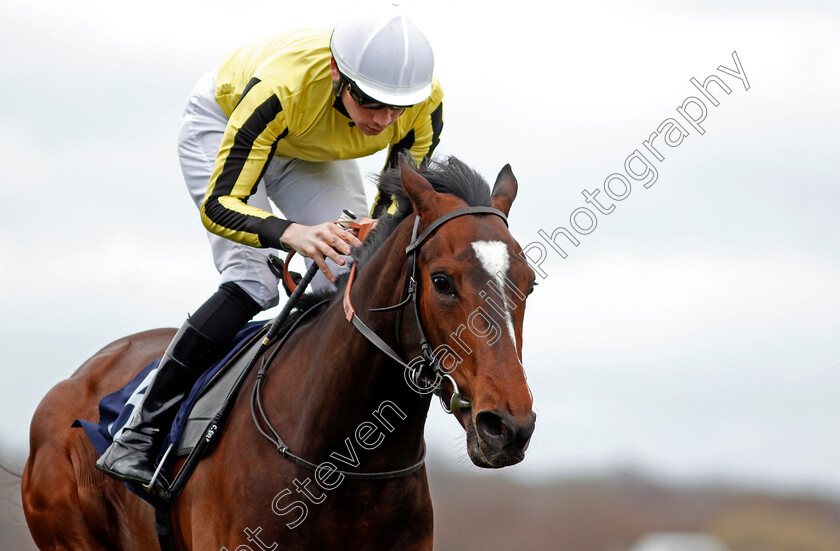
{"x": 472, "y": 286}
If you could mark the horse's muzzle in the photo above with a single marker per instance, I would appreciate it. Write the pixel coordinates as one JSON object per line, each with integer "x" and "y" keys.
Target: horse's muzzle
{"x": 501, "y": 439}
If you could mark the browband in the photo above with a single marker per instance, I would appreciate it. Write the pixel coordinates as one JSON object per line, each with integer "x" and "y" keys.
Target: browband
{"x": 449, "y": 216}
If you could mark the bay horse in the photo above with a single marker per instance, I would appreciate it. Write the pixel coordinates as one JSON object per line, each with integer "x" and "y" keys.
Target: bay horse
{"x": 332, "y": 394}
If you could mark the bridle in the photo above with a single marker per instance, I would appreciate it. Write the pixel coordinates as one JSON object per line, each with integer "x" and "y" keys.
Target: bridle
{"x": 425, "y": 373}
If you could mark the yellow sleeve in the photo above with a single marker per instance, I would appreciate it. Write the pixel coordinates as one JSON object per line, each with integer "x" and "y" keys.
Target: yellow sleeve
{"x": 256, "y": 124}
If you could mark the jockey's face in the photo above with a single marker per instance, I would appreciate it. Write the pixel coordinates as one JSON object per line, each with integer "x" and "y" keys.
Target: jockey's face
{"x": 369, "y": 120}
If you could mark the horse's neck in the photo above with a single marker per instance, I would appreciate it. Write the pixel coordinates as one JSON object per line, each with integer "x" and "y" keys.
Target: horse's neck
{"x": 350, "y": 389}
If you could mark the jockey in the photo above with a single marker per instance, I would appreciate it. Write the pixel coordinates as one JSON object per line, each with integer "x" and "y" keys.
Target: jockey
{"x": 283, "y": 118}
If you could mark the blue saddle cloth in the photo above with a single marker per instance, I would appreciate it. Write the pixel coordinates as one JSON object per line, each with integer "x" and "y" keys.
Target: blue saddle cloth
{"x": 116, "y": 408}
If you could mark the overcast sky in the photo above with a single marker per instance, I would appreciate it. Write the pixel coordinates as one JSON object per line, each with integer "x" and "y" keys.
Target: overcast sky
{"x": 693, "y": 332}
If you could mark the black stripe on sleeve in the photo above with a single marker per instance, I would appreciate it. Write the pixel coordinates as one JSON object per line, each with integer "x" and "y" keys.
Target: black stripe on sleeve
{"x": 251, "y": 83}
{"x": 437, "y": 128}
{"x": 401, "y": 146}
{"x": 236, "y": 221}
{"x": 382, "y": 202}
{"x": 242, "y": 144}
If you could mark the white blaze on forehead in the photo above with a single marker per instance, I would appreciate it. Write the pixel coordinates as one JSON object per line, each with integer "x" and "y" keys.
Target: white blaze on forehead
{"x": 494, "y": 258}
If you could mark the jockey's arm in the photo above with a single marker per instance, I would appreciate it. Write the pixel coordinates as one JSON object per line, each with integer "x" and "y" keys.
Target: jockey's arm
{"x": 255, "y": 126}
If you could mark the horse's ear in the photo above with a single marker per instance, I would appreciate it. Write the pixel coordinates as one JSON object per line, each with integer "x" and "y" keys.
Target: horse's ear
{"x": 418, "y": 189}
{"x": 504, "y": 191}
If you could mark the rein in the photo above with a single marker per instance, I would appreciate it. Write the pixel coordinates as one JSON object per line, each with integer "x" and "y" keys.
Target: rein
{"x": 274, "y": 437}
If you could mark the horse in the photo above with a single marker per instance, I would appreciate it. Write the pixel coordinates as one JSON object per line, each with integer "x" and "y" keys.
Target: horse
{"x": 339, "y": 400}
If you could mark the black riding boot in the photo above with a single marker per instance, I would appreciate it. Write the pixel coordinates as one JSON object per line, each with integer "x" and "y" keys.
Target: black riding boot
{"x": 200, "y": 341}
{"x": 130, "y": 456}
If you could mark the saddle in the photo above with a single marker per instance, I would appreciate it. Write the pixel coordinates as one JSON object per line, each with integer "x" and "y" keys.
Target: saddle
{"x": 198, "y": 411}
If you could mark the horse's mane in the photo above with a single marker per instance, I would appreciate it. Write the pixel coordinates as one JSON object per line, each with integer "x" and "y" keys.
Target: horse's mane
{"x": 449, "y": 175}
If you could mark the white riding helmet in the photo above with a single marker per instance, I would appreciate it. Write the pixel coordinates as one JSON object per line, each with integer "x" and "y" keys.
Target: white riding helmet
{"x": 384, "y": 55}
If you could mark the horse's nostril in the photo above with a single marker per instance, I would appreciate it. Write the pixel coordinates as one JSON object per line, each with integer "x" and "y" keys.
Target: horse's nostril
{"x": 494, "y": 429}
{"x": 499, "y": 430}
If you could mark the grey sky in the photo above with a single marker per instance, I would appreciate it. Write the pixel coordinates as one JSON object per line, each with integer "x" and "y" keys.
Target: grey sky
{"x": 694, "y": 331}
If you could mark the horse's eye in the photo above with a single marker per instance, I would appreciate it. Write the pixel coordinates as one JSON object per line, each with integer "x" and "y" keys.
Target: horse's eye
{"x": 442, "y": 285}
{"x": 533, "y": 287}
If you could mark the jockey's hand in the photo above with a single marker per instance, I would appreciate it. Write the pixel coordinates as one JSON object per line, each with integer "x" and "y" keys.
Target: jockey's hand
{"x": 316, "y": 242}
